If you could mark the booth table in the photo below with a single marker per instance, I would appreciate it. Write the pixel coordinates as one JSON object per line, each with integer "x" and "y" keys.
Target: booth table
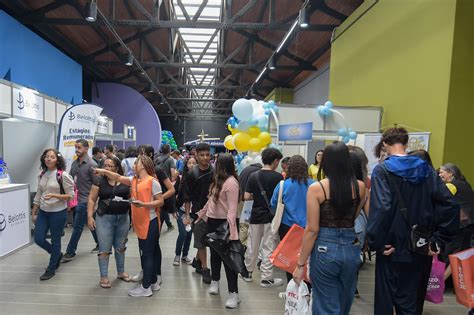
{"x": 14, "y": 218}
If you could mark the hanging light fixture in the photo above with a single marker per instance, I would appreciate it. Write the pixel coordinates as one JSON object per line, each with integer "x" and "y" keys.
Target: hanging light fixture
{"x": 272, "y": 63}
{"x": 303, "y": 18}
{"x": 91, "y": 11}
{"x": 129, "y": 61}
{"x": 151, "y": 89}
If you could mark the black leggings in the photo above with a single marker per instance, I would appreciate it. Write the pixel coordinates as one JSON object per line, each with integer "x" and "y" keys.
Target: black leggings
{"x": 216, "y": 260}
{"x": 150, "y": 254}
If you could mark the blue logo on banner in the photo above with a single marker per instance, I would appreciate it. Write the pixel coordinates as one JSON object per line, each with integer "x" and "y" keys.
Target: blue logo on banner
{"x": 71, "y": 116}
{"x": 21, "y": 101}
{"x": 296, "y": 132}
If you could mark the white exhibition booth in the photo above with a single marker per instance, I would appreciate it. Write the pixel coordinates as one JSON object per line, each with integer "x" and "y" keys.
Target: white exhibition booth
{"x": 121, "y": 140}
{"x": 28, "y": 124}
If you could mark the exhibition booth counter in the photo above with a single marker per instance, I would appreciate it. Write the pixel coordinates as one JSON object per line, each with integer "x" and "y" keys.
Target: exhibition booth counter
{"x": 14, "y": 218}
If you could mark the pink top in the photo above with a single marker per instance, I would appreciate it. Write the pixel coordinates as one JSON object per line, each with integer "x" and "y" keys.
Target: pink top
{"x": 226, "y": 206}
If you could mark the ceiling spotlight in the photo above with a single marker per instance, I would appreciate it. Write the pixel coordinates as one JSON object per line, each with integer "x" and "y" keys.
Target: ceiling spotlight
{"x": 162, "y": 100}
{"x": 252, "y": 90}
{"x": 175, "y": 117}
{"x": 303, "y": 18}
{"x": 271, "y": 63}
{"x": 151, "y": 89}
{"x": 129, "y": 61}
{"x": 91, "y": 11}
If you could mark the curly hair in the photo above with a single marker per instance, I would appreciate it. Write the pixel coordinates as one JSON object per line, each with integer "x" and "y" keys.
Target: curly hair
{"x": 390, "y": 137}
{"x": 147, "y": 163}
{"x": 298, "y": 169}
{"x": 60, "y": 163}
{"x": 117, "y": 164}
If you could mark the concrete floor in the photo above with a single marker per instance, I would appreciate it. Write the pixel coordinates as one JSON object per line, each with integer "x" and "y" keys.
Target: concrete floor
{"x": 75, "y": 289}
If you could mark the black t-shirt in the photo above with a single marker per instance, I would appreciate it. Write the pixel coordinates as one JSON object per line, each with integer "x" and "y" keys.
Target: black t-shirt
{"x": 105, "y": 193}
{"x": 245, "y": 175}
{"x": 261, "y": 213}
{"x": 168, "y": 205}
{"x": 196, "y": 187}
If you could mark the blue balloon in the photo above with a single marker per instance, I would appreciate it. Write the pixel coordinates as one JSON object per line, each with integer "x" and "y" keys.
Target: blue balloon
{"x": 328, "y": 104}
{"x": 346, "y": 139}
{"x": 242, "y": 109}
{"x": 325, "y": 111}
{"x": 342, "y": 132}
{"x": 352, "y": 135}
{"x": 320, "y": 110}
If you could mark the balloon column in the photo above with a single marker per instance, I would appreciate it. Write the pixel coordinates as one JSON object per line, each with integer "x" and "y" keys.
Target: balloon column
{"x": 345, "y": 133}
{"x": 249, "y": 125}
{"x": 167, "y": 138}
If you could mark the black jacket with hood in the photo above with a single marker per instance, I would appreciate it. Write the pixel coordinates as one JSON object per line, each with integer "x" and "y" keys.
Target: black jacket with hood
{"x": 429, "y": 203}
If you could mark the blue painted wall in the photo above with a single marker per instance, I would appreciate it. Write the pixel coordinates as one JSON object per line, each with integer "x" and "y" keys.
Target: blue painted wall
{"x": 35, "y": 63}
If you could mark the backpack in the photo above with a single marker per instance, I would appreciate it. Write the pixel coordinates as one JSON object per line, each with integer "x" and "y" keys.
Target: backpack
{"x": 160, "y": 163}
{"x": 71, "y": 203}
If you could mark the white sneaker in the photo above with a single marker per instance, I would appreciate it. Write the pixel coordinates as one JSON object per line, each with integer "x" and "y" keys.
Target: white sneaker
{"x": 246, "y": 279}
{"x": 214, "y": 288}
{"x": 186, "y": 260}
{"x": 140, "y": 291}
{"x": 176, "y": 261}
{"x": 233, "y": 300}
{"x": 276, "y": 282}
{"x": 155, "y": 286}
{"x": 138, "y": 277}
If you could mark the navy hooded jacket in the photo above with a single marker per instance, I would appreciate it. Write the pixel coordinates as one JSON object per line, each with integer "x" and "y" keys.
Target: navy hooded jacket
{"x": 429, "y": 204}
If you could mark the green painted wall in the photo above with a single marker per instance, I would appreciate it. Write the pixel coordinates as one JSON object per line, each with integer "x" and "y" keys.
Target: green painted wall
{"x": 398, "y": 55}
{"x": 459, "y": 140}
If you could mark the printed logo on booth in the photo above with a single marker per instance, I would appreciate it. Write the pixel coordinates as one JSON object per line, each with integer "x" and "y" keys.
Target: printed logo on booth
{"x": 71, "y": 116}
{"x": 20, "y": 101}
{"x": 3, "y": 222}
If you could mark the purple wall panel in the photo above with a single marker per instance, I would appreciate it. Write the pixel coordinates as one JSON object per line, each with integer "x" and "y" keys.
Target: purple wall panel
{"x": 126, "y": 106}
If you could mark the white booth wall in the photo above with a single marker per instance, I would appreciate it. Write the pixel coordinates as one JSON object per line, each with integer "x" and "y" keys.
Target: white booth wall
{"x": 23, "y": 144}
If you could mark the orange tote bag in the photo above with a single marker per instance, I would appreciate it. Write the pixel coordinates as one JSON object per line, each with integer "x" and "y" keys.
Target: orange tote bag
{"x": 462, "y": 267}
{"x": 285, "y": 256}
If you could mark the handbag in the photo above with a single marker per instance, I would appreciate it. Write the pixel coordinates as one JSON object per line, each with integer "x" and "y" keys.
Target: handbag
{"x": 285, "y": 256}
{"x": 104, "y": 204}
{"x": 462, "y": 266}
{"x": 419, "y": 240}
{"x": 279, "y": 210}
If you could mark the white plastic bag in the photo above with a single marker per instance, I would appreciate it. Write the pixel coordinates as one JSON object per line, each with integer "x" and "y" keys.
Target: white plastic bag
{"x": 297, "y": 299}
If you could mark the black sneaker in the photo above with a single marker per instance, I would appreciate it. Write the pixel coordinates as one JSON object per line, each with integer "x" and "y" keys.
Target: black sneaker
{"x": 59, "y": 261}
{"x": 206, "y": 276}
{"x": 48, "y": 274}
{"x": 67, "y": 257}
{"x": 95, "y": 249}
{"x": 197, "y": 265}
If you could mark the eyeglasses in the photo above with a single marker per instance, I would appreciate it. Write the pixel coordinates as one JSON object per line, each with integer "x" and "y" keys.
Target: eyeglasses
{"x": 109, "y": 166}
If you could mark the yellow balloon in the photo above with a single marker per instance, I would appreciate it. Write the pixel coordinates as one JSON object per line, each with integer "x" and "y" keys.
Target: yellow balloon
{"x": 241, "y": 141}
{"x": 265, "y": 138}
{"x": 255, "y": 144}
{"x": 229, "y": 142}
{"x": 229, "y": 127}
{"x": 235, "y": 131}
{"x": 253, "y": 131}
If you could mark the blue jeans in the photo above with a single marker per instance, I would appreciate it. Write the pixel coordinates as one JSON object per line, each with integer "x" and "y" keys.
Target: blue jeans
{"x": 80, "y": 219}
{"x": 112, "y": 230}
{"x": 53, "y": 221}
{"x": 184, "y": 238}
{"x": 150, "y": 254}
{"x": 335, "y": 261}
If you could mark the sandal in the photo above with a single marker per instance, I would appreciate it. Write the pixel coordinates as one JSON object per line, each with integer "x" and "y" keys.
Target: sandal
{"x": 124, "y": 277}
{"x": 105, "y": 284}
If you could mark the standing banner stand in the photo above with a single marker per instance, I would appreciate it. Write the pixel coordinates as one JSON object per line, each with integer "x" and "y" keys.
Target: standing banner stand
{"x": 78, "y": 122}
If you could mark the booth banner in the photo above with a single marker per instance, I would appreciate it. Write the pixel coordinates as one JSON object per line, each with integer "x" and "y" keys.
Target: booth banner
{"x": 416, "y": 141}
{"x": 78, "y": 122}
{"x": 27, "y": 104}
{"x": 14, "y": 220}
{"x": 103, "y": 125}
{"x": 296, "y": 132}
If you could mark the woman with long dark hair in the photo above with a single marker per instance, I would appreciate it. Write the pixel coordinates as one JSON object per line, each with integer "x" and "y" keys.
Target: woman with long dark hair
{"x": 333, "y": 204}
{"x": 184, "y": 237}
{"x": 314, "y": 170}
{"x": 55, "y": 188}
{"x": 221, "y": 207}
{"x": 295, "y": 188}
{"x": 147, "y": 198}
{"x": 111, "y": 221}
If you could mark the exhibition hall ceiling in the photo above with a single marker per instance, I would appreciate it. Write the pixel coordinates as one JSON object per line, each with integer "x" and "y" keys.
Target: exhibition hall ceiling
{"x": 191, "y": 58}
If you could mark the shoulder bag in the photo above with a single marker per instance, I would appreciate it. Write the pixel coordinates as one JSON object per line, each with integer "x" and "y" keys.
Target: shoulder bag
{"x": 279, "y": 210}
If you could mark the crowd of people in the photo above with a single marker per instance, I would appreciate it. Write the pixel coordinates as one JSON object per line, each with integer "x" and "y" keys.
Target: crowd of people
{"x": 406, "y": 212}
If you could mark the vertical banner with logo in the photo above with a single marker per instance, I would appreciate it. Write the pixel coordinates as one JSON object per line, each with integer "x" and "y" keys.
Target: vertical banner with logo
{"x": 14, "y": 220}
{"x": 78, "y": 122}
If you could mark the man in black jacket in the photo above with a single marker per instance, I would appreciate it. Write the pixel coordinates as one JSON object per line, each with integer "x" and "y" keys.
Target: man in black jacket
{"x": 401, "y": 275}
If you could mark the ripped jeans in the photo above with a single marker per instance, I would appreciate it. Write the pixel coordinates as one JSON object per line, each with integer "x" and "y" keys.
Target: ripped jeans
{"x": 112, "y": 230}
